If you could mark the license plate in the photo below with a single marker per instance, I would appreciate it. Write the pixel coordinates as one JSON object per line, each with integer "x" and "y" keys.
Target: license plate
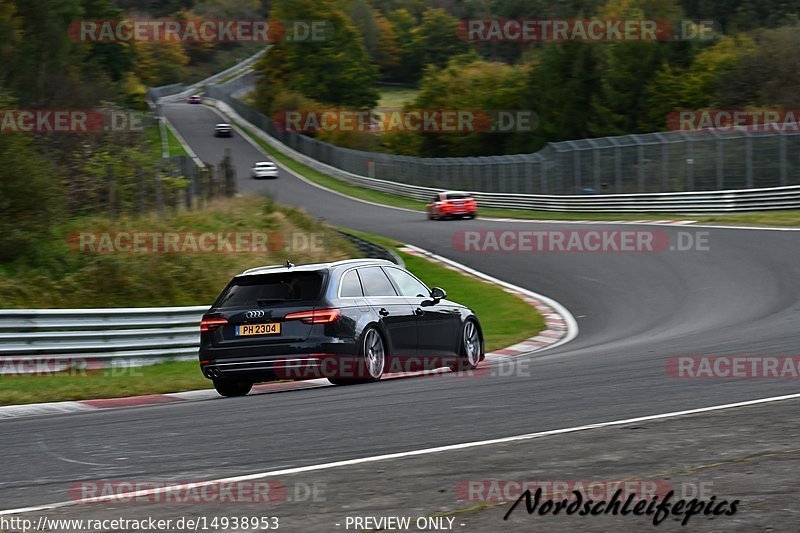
{"x": 272, "y": 328}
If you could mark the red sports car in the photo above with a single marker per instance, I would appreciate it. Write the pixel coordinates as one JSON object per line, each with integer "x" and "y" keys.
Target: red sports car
{"x": 451, "y": 204}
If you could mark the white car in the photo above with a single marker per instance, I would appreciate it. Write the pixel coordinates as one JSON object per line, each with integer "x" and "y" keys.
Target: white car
{"x": 265, "y": 169}
{"x": 223, "y": 130}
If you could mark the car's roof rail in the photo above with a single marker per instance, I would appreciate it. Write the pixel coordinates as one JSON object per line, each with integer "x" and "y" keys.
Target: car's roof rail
{"x": 307, "y": 266}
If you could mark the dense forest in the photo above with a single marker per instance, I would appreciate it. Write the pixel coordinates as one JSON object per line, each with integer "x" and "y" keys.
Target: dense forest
{"x": 577, "y": 89}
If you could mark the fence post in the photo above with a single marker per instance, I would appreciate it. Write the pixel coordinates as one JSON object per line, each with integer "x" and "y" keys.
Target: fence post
{"x": 229, "y": 173}
{"x": 640, "y": 163}
{"x": 689, "y": 185}
{"x": 112, "y": 207}
{"x": 720, "y": 162}
{"x": 140, "y": 191}
{"x": 783, "y": 162}
{"x": 159, "y": 191}
{"x": 201, "y": 183}
{"x": 749, "y": 159}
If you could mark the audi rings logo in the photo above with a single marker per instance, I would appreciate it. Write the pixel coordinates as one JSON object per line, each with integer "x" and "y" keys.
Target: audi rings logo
{"x": 255, "y": 314}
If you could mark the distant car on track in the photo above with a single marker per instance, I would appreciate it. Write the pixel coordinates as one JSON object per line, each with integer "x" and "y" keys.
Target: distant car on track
{"x": 223, "y": 130}
{"x": 195, "y": 99}
{"x": 349, "y": 321}
{"x": 452, "y": 204}
{"x": 264, "y": 169}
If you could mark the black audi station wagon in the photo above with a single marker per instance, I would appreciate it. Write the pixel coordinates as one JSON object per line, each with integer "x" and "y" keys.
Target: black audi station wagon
{"x": 348, "y": 321}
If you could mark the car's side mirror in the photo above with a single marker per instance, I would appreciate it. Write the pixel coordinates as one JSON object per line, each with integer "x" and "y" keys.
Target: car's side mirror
{"x": 438, "y": 294}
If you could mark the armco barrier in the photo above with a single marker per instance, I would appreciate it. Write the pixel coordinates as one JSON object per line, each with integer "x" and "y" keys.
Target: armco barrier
{"x": 96, "y": 338}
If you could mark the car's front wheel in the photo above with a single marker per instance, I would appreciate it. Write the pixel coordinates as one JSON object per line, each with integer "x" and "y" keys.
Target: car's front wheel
{"x": 471, "y": 350}
{"x": 231, "y": 388}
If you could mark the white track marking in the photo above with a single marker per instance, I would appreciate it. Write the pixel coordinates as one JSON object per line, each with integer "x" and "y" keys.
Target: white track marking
{"x": 392, "y": 456}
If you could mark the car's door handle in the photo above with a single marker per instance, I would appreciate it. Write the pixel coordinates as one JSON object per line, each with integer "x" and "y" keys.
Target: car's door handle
{"x": 419, "y": 312}
{"x": 383, "y": 312}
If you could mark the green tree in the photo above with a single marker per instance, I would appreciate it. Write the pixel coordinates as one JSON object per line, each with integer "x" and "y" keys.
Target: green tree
{"x": 702, "y": 84}
{"x": 436, "y": 39}
{"x": 333, "y": 70}
{"x": 29, "y": 196}
{"x": 476, "y": 86}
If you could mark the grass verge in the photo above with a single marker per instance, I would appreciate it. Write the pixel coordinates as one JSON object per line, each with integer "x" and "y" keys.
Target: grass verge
{"x": 396, "y": 97}
{"x": 172, "y": 376}
{"x": 505, "y": 318}
{"x": 175, "y": 146}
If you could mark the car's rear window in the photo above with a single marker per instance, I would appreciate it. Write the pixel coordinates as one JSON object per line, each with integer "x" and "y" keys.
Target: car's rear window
{"x": 265, "y": 289}
{"x": 458, "y": 196}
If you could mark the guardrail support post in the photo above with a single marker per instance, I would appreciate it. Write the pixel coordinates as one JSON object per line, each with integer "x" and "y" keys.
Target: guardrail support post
{"x": 783, "y": 163}
{"x": 720, "y": 164}
{"x": 749, "y": 160}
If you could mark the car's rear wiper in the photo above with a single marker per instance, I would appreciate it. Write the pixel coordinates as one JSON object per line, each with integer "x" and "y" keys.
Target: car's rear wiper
{"x": 264, "y": 301}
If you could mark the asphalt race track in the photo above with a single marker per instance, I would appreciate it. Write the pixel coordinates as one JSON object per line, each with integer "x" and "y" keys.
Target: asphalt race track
{"x": 634, "y": 310}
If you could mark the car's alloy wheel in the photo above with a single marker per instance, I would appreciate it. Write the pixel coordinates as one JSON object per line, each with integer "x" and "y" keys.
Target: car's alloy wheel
{"x": 374, "y": 354}
{"x": 230, "y": 388}
{"x": 471, "y": 347}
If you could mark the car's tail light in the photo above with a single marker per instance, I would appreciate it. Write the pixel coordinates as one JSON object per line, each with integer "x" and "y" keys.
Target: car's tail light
{"x": 319, "y": 316}
{"x": 210, "y": 323}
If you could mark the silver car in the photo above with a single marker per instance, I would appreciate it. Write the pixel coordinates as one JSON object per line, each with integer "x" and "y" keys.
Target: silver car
{"x": 264, "y": 169}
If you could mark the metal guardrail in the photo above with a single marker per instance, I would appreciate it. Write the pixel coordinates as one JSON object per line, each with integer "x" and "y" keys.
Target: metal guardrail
{"x": 36, "y": 340}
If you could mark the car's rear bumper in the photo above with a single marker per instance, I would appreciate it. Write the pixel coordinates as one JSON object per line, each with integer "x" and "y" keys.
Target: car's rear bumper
{"x": 311, "y": 359}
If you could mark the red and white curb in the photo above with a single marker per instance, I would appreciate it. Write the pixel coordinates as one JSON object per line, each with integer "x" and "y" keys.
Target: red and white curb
{"x": 560, "y": 327}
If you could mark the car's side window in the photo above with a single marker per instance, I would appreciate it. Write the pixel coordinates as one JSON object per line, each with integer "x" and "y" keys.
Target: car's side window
{"x": 351, "y": 285}
{"x": 375, "y": 282}
{"x": 407, "y": 284}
